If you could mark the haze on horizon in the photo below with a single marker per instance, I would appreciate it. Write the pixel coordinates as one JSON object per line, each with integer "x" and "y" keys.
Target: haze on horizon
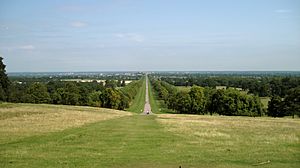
{"x": 122, "y": 35}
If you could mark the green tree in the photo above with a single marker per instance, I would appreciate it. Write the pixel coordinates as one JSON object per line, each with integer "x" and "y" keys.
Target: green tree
{"x": 16, "y": 92}
{"x": 292, "y": 102}
{"x": 217, "y": 102}
{"x": 124, "y": 103}
{"x": 197, "y": 100}
{"x": 110, "y": 84}
{"x": 70, "y": 94}
{"x": 4, "y": 82}
{"x": 37, "y": 93}
{"x": 94, "y": 99}
{"x": 275, "y": 107}
{"x": 111, "y": 98}
{"x": 55, "y": 97}
{"x": 183, "y": 103}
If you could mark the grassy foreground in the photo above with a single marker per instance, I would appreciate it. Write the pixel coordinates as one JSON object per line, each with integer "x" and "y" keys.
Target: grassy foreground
{"x": 118, "y": 139}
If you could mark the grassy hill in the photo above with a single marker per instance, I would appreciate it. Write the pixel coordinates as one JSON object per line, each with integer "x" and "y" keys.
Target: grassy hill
{"x": 69, "y": 136}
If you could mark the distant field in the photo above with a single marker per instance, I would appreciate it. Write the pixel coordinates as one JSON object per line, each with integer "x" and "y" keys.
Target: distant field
{"x": 265, "y": 101}
{"x": 71, "y": 136}
{"x": 184, "y": 88}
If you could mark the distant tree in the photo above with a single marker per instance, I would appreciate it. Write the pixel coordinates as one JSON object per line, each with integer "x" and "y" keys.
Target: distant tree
{"x": 16, "y": 92}
{"x": 110, "y": 84}
{"x": 123, "y": 83}
{"x": 55, "y": 98}
{"x": 94, "y": 99}
{"x": 124, "y": 103}
{"x": 70, "y": 94}
{"x": 110, "y": 98}
{"x": 4, "y": 82}
{"x": 83, "y": 92}
{"x": 217, "y": 102}
{"x": 292, "y": 102}
{"x": 163, "y": 94}
{"x": 197, "y": 100}
{"x": 37, "y": 93}
{"x": 183, "y": 103}
{"x": 275, "y": 107}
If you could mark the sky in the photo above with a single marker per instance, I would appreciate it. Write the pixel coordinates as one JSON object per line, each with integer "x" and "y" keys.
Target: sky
{"x": 148, "y": 35}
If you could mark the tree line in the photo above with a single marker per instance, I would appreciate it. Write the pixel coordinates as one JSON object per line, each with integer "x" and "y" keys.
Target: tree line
{"x": 286, "y": 106}
{"x": 231, "y": 102}
{"x": 73, "y": 93}
{"x": 262, "y": 86}
{"x": 113, "y": 94}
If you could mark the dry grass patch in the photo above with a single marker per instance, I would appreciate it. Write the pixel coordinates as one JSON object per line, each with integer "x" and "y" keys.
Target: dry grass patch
{"x": 27, "y": 119}
{"x": 264, "y": 128}
{"x": 192, "y": 125}
{"x": 238, "y": 140}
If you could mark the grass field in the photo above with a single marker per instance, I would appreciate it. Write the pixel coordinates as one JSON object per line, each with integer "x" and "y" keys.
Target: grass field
{"x": 137, "y": 105}
{"x": 110, "y": 138}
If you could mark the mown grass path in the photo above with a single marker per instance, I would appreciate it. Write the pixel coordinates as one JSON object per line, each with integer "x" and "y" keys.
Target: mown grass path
{"x": 136, "y": 141}
{"x": 138, "y": 102}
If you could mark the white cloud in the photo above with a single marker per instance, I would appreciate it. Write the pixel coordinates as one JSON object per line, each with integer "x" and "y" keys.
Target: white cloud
{"x": 27, "y": 47}
{"x": 130, "y": 36}
{"x": 78, "y": 24}
{"x": 283, "y": 11}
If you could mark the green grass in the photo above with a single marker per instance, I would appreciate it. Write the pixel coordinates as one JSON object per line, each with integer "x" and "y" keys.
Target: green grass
{"x": 164, "y": 140}
{"x": 72, "y": 136}
{"x": 138, "y": 102}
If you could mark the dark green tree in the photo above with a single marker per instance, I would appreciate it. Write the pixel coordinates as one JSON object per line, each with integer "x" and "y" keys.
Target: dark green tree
{"x": 4, "y": 82}
{"x": 110, "y": 84}
{"x": 70, "y": 94}
{"x": 197, "y": 100}
{"x": 37, "y": 93}
{"x": 183, "y": 103}
{"x": 292, "y": 102}
{"x": 94, "y": 99}
{"x": 275, "y": 107}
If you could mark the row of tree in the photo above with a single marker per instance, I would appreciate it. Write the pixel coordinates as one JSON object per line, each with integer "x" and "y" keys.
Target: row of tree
{"x": 261, "y": 86}
{"x": 73, "y": 93}
{"x": 208, "y": 100}
{"x": 113, "y": 94}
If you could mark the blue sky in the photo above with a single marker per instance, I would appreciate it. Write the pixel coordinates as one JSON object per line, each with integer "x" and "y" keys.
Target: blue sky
{"x": 114, "y": 35}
